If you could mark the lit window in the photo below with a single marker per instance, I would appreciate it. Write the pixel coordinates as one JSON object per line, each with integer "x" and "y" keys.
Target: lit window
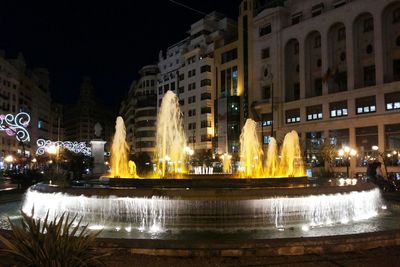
{"x": 292, "y": 116}
{"x": 314, "y": 113}
{"x": 392, "y": 101}
{"x": 365, "y": 105}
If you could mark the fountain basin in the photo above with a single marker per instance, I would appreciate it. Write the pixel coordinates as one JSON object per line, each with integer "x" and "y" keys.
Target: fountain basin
{"x": 205, "y": 205}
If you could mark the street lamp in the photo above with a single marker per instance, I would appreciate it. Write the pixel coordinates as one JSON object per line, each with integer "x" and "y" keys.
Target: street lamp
{"x": 9, "y": 159}
{"x": 347, "y": 152}
{"x": 383, "y": 156}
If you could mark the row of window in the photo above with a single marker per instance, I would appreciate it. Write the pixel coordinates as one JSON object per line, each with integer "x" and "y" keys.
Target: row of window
{"x": 369, "y": 79}
{"x": 163, "y": 89}
{"x": 147, "y": 83}
{"x": 192, "y": 99}
{"x": 229, "y": 81}
{"x": 204, "y": 138}
{"x": 181, "y": 89}
{"x": 339, "y": 109}
{"x": 191, "y": 73}
{"x": 204, "y": 124}
{"x": 365, "y": 138}
{"x": 204, "y": 110}
{"x": 229, "y": 56}
{"x": 9, "y": 84}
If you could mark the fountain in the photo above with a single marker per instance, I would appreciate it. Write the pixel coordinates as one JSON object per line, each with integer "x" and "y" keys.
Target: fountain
{"x": 170, "y": 137}
{"x": 121, "y": 168}
{"x": 289, "y": 164}
{"x": 251, "y": 153}
{"x": 226, "y": 163}
{"x": 169, "y": 208}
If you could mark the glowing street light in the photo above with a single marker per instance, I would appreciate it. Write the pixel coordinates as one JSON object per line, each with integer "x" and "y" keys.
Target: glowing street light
{"x": 9, "y": 159}
{"x": 52, "y": 149}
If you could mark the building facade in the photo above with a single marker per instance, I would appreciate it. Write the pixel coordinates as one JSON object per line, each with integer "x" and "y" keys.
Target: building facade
{"x": 188, "y": 69}
{"x": 140, "y": 112}
{"x": 25, "y": 90}
{"x": 81, "y": 117}
{"x": 330, "y": 69}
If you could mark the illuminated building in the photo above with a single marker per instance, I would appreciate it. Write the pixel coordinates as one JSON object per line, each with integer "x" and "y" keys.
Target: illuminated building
{"x": 329, "y": 70}
{"x": 139, "y": 111}
{"x": 188, "y": 69}
{"x": 25, "y": 90}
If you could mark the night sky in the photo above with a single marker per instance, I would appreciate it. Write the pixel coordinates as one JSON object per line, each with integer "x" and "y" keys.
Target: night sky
{"x": 107, "y": 41}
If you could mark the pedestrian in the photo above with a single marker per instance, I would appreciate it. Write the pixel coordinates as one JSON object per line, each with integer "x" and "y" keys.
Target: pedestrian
{"x": 372, "y": 171}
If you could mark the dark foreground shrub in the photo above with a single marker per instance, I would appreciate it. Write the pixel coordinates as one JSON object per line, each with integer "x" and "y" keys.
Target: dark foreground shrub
{"x": 51, "y": 243}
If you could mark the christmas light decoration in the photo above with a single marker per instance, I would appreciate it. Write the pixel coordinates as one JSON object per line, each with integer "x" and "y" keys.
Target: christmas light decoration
{"x": 73, "y": 146}
{"x": 16, "y": 125}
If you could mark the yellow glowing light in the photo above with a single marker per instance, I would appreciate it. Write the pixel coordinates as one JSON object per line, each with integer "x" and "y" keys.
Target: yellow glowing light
{"x": 375, "y": 148}
{"x": 341, "y": 152}
{"x": 9, "y": 158}
{"x": 34, "y": 160}
{"x": 346, "y": 149}
{"x": 353, "y": 152}
{"x": 51, "y": 149}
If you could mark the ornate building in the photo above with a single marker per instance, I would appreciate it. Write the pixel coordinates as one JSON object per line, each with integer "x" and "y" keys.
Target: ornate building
{"x": 330, "y": 70}
{"x": 81, "y": 117}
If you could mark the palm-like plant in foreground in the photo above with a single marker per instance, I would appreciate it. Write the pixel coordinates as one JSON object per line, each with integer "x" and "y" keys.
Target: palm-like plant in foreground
{"x": 51, "y": 243}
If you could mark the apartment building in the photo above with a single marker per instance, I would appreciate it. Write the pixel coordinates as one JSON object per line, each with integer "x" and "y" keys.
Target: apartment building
{"x": 139, "y": 111}
{"x": 24, "y": 90}
{"x": 188, "y": 68}
{"x": 329, "y": 69}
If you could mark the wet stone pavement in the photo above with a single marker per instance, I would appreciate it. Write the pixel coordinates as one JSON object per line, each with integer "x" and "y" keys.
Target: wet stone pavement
{"x": 381, "y": 257}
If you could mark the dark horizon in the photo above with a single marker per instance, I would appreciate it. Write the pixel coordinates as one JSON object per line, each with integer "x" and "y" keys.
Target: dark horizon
{"x": 107, "y": 43}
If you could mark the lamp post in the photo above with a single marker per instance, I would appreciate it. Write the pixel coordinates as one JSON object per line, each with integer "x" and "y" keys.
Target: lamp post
{"x": 347, "y": 152}
{"x": 384, "y": 157}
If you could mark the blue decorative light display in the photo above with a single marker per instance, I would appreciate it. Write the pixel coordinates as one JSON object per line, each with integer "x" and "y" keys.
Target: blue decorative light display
{"x": 73, "y": 146}
{"x": 16, "y": 125}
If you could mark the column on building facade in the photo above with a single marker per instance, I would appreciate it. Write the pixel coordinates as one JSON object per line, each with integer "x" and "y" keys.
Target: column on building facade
{"x": 350, "y": 55}
{"x": 302, "y": 64}
{"x": 378, "y": 47}
{"x": 324, "y": 58}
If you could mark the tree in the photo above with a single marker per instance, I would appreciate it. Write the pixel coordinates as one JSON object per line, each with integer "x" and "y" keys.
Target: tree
{"x": 328, "y": 153}
{"x": 75, "y": 163}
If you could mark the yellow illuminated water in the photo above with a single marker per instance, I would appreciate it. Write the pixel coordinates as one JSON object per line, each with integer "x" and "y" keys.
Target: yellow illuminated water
{"x": 170, "y": 138}
{"x": 120, "y": 167}
{"x": 226, "y": 163}
{"x": 170, "y": 152}
{"x": 288, "y": 164}
{"x": 251, "y": 153}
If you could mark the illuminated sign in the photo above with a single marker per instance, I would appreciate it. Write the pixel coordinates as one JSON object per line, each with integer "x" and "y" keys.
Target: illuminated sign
{"x": 16, "y": 125}
{"x": 73, "y": 146}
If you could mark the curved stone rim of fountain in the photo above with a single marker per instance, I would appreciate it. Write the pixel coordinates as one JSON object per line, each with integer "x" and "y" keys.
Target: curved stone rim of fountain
{"x": 205, "y": 189}
{"x": 254, "y": 247}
